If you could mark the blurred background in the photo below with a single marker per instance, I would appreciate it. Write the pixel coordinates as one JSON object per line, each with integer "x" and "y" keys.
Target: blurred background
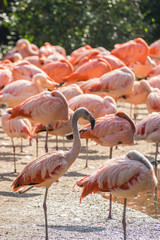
{"x": 72, "y": 24}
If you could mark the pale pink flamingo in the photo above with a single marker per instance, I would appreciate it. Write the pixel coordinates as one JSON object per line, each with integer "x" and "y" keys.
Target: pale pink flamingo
{"x": 56, "y": 56}
{"x": 24, "y": 47}
{"x": 46, "y": 50}
{"x": 16, "y": 128}
{"x": 94, "y": 68}
{"x": 25, "y": 70}
{"x": 124, "y": 176}
{"x": 148, "y": 129}
{"x": 154, "y": 72}
{"x": 132, "y": 51}
{"x": 5, "y": 76}
{"x": 16, "y": 92}
{"x": 70, "y": 91}
{"x": 111, "y": 130}
{"x": 44, "y": 108}
{"x": 56, "y": 128}
{"x": 96, "y": 105}
{"x": 58, "y": 70}
{"x": 153, "y": 101}
{"x": 48, "y": 168}
{"x": 115, "y": 83}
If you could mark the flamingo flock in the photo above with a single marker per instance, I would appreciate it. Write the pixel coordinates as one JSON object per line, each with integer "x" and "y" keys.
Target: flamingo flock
{"x": 44, "y": 89}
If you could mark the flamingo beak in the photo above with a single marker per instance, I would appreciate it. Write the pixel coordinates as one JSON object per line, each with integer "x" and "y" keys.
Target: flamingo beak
{"x": 92, "y": 121}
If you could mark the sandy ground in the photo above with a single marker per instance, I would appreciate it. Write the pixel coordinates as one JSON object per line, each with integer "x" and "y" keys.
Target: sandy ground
{"x": 22, "y": 216}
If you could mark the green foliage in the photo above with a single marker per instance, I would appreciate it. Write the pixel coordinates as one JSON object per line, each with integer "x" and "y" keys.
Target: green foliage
{"x": 72, "y": 24}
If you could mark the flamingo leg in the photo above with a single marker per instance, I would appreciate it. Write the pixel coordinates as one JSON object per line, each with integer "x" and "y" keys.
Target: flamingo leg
{"x": 46, "y": 142}
{"x": 124, "y": 218}
{"x": 156, "y": 159}
{"x": 56, "y": 142}
{"x": 110, "y": 199}
{"x": 45, "y": 212}
{"x": 86, "y": 166}
{"x": 63, "y": 142}
{"x": 37, "y": 146}
{"x": 110, "y": 207}
{"x": 21, "y": 145}
{"x": 14, "y": 155}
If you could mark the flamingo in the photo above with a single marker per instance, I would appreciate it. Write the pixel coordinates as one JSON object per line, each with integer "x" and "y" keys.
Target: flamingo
{"x": 56, "y": 128}
{"x": 94, "y": 68}
{"x": 44, "y": 108}
{"x": 16, "y": 92}
{"x": 70, "y": 91}
{"x": 124, "y": 176}
{"x": 48, "y": 168}
{"x": 149, "y": 130}
{"x": 110, "y": 130}
{"x": 116, "y": 83}
{"x": 46, "y": 50}
{"x": 132, "y": 51}
{"x": 58, "y": 70}
{"x": 153, "y": 101}
{"x": 154, "y": 49}
{"x": 16, "y": 128}
{"x": 5, "y": 76}
{"x": 25, "y": 70}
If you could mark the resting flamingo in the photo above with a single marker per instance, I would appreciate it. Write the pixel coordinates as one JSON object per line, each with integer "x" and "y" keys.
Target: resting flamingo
{"x": 70, "y": 91}
{"x": 94, "y": 68}
{"x": 44, "y": 108}
{"x": 115, "y": 83}
{"x": 16, "y": 92}
{"x": 56, "y": 128}
{"x": 124, "y": 176}
{"x": 48, "y": 168}
{"x": 132, "y": 51}
{"x": 97, "y": 105}
{"x": 110, "y": 130}
{"x": 16, "y": 128}
{"x": 5, "y": 76}
{"x": 148, "y": 129}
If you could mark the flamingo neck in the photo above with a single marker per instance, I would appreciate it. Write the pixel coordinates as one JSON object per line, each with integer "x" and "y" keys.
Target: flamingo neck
{"x": 37, "y": 82}
{"x": 76, "y": 147}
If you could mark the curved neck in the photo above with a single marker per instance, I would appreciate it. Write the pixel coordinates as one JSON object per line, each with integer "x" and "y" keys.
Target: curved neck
{"x": 76, "y": 147}
{"x": 37, "y": 82}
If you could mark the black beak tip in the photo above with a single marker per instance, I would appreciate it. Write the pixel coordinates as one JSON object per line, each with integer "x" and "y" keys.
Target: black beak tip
{"x": 92, "y": 123}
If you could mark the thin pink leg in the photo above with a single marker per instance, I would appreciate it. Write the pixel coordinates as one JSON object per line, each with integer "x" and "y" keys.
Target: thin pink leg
{"x": 45, "y": 213}
{"x": 124, "y": 218}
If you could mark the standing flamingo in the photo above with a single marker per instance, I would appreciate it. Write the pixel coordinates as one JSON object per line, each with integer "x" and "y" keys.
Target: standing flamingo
{"x": 111, "y": 130}
{"x": 48, "y": 168}
{"x": 18, "y": 91}
{"x": 16, "y": 128}
{"x": 149, "y": 130}
{"x": 124, "y": 176}
{"x": 44, "y": 108}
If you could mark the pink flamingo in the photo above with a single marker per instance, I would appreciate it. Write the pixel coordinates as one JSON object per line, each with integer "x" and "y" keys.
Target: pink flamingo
{"x": 116, "y": 83}
{"x": 95, "y": 104}
{"x": 70, "y": 91}
{"x": 58, "y": 70}
{"x": 44, "y": 108}
{"x": 16, "y": 92}
{"x": 124, "y": 176}
{"x": 24, "y": 47}
{"x": 56, "y": 128}
{"x": 153, "y": 101}
{"x": 149, "y": 130}
{"x": 94, "y": 68}
{"x": 26, "y": 70}
{"x": 154, "y": 49}
{"x": 5, "y": 76}
{"x": 46, "y": 50}
{"x": 48, "y": 168}
{"x": 16, "y": 128}
{"x": 132, "y": 51}
{"x": 111, "y": 130}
